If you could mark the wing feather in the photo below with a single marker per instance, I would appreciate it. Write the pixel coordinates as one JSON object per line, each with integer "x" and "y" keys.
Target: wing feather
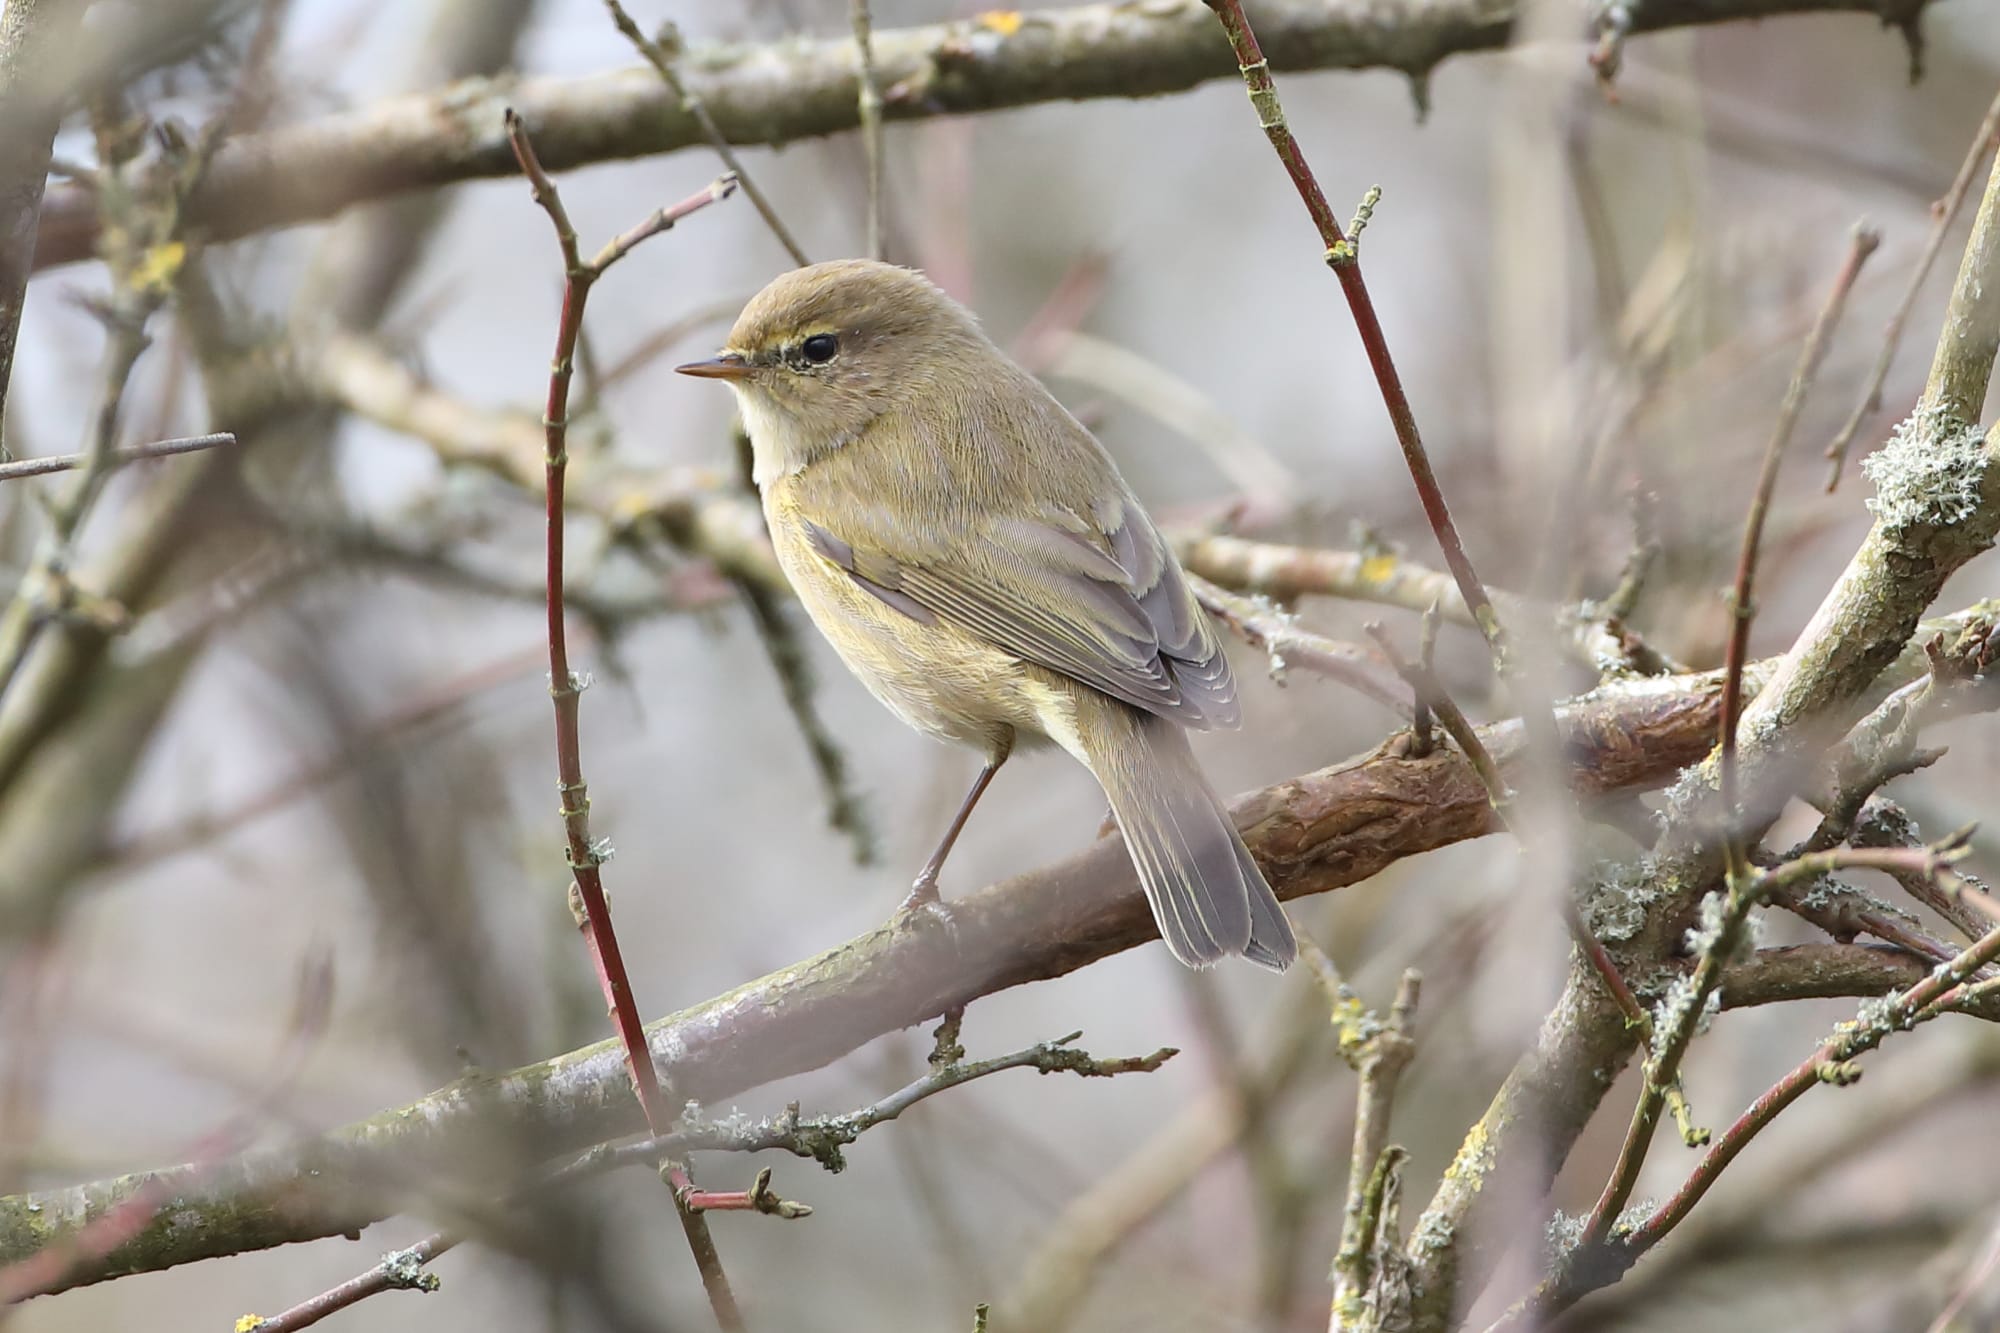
{"x": 1103, "y": 603}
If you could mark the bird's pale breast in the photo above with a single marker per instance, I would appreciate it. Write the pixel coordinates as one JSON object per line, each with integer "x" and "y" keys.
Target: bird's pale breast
{"x": 937, "y": 678}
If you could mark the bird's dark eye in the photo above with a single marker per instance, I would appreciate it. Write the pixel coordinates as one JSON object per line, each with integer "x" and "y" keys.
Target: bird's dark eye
{"x": 819, "y": 348}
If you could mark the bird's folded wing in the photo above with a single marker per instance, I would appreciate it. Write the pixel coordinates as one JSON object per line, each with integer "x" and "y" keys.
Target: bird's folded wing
{"x": 1107, "y": 608}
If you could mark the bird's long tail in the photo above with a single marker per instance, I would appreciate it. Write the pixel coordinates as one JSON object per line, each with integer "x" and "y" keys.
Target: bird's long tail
{"x": 1207, "y": 894}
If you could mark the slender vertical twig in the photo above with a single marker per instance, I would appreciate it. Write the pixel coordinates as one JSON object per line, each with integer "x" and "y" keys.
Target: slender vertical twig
{"x": 1741, "y": 608}
{"x": 870, "y": 95}
{"x": 1946, "y": 211}
{"x": 663, "y": 63}
{"x": 1344, "y": 259}
{"x": 586, "y": 854}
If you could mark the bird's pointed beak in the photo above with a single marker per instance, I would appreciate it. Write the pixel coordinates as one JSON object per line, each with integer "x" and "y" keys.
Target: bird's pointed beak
{"x": 726, "y": 366}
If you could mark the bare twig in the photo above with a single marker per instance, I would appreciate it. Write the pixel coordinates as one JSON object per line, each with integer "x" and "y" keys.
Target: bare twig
{"x": 1944, "y": 213}
{"x": 1264, "y": 626}
{"x": 1594, "y": 1262}
{"x": 585, "y": 853}
{"x": 146, "y": 254}
{"x": 49, "y": 1268}
{"x": 1745, "y": 887}
{"x": 1437, "y": 700}
{"x": 1741, "y": 609}
{"x": 1968, "y": 1286}
{"x": 1346, "y": 265}
{"x": 121, "y": 455}
{"x": 401, "y": 1270}
{"x": 691, "y": 102}
{"x": 870, "y": 110}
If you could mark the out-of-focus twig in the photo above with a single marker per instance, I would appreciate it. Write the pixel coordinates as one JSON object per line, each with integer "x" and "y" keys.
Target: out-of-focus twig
{"x": 869, "y": 104}
{"x": 1741, "y": 608}
{"x": 1945, "y": 212}
{"x": 1264, "y": 626}
{"x": 662, "y": 60}
{"x": 122, "y": 454}
{"x": 1590, "y": 634}
{"x": 795, "y": 89}
{"x": 146, "y": 251}
{"x": 48, "y": 1268}
{"x": 35, "y": 39}
{"x": 1368, "y": 1269}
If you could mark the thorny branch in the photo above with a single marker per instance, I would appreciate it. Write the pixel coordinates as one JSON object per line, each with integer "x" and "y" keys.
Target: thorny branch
{"x": 869, "y": 103}
{"x": 123, "y": 454}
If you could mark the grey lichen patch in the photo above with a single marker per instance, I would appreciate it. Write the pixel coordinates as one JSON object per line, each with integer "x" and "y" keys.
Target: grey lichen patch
{"x": 1932, "y": 472}
{"x": 1617, "y": 896}
{"x": 1711, "y": 925}
{"x": 1564, "y": 1233}
{"x": 403, "y": 1270}
{"x": 1883, "y": 1015}
{"x": 1830, "y": 896}
{"x": 1673, "y": 1007}
{"x": 1690, "y": 803}
{"x": 1634, "y": 1217}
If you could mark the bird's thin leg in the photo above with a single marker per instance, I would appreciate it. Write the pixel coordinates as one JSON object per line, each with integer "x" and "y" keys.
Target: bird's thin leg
{"x": 925, "y": 891}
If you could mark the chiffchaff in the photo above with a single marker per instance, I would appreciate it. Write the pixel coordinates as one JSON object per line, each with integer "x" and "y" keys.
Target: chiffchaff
{"x": 975, "y": 558}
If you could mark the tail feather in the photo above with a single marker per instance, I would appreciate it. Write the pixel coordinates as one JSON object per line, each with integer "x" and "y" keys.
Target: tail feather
{"x": 1206, "y": 892}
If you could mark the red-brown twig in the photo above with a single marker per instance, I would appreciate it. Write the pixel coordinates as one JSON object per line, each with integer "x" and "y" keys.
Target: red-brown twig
{"x": 1344, "y": 260}
{"x": 1741, "y": 609}
{"x": 565, "y": 686}
{"x": 403, "y": 1270}
{"x": 1945, "y": 211}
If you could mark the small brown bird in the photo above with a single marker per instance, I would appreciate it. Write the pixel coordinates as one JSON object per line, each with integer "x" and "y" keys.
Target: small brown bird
{"x": 973, "y": 555}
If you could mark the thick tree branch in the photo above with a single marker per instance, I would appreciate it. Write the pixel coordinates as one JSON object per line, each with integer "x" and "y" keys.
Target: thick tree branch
{"x": 801, "y": 89}
{"x": 1313, "y": 833}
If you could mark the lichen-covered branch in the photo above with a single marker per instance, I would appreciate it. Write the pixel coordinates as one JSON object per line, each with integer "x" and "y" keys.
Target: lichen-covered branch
{"x": 1937, "y": 504}
{"x": 800, "y": 89}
